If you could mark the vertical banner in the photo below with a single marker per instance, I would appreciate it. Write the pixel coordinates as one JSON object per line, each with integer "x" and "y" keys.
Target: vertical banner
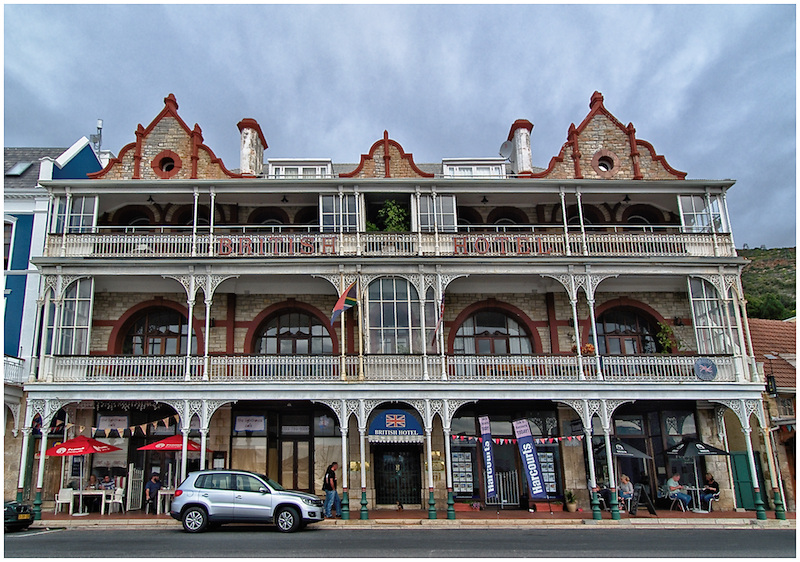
{"x": 530, "y": 460}
{"x": 488, "y": 457}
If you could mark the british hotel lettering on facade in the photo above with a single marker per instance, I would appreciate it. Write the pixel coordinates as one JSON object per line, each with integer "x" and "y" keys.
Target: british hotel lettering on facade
{"x": 179, "y": 296}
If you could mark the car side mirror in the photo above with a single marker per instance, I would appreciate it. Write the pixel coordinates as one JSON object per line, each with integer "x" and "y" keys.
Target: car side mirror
{"x": 263, "y": 490}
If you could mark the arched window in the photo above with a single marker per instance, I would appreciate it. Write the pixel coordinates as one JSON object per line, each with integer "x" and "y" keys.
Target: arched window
{"x": 492, "y": 332}
{"x": 626, "y": 331}
{"x": 393, "y": 317}
{"x": 157, "y": 331}
{"x": 293, "y": 332}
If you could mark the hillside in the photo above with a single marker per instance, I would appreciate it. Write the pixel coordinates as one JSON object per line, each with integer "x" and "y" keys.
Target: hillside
{"x": 769, "y": 282}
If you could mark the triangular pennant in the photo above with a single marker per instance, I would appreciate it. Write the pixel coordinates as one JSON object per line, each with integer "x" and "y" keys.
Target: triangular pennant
{"x": 155, "y": 424}
{"x": 59, "y": 422}
{"x": 107, "y": 432}
{"x": 94, "y": 430}
{"x": 70, "y": 425}
{"x": 177, "y": 418}
{"x": 579, "y": 437}
{"x": 81, "y": 428}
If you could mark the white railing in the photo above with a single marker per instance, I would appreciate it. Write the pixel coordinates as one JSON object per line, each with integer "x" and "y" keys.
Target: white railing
{"x": 149, "y": 368}
{"x": 258, "y": 368}
{"x": 468, "y": 244}
{"x": 13, "y": 370}
{"x": 384, "y": 368}
{"x": 663, "y": 368}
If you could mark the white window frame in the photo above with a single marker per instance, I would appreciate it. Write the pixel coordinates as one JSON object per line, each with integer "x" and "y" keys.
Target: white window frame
{"x": 344, "y": 213}
{"x": 377, "y": 343}
{"x": 72, "y": 326}
{"x": 714, "y": 333}
{"x": 431, "y": 214}
{"x": 300, "y": 169}
{"x": 12, "y": 221}
{"x": 474, "y": 168}
{"x": 706, "y": 211}
{"x": 65, "y": 221}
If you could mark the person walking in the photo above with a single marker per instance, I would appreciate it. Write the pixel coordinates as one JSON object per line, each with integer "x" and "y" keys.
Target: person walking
{"x": 331, "y": 495}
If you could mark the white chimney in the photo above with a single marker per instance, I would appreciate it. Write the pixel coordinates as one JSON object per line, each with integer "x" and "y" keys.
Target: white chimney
{"x": 521, "y": 157}
{"x": 251, "y": 157}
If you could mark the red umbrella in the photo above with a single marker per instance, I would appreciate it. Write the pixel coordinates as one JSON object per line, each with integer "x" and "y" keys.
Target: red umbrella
{"x": 171, "y": 443}
{"x": 79, "y": 445}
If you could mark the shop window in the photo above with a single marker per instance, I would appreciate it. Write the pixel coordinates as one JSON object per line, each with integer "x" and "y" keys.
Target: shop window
{"x": 626, "y": 331}
{"x": 393, "y": 317}
{"x": 492, "y": 332}
{"x": 158, "y": 331}
{"x": 293, "y": 332}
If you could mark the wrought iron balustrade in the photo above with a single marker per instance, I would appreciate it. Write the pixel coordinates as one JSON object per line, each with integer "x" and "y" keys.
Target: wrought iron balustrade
{"x": 13, "y": 370}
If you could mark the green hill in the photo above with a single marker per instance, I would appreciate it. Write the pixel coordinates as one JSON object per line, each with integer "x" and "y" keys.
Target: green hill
{"x": 769, "y": 282}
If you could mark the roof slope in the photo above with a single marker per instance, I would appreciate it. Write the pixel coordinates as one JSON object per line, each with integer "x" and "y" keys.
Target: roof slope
{"x": 30, "y": 177}
{"x": 777, "y": 338}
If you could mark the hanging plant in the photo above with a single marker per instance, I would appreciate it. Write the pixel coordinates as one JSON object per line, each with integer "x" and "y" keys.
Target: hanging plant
{"x": 393, "y": 217}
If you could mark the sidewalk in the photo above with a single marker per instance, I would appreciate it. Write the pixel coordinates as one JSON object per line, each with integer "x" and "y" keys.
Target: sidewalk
{"x": 391, "y": 519}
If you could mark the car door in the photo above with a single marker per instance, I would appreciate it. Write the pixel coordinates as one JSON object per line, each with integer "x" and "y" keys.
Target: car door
{"x": 216, "y": 490}
{"x": 252, "y": 499}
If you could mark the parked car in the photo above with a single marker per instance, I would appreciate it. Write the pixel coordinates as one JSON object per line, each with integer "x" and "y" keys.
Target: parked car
{"x": 209, "y": 498}
{"x": 18, "y": 516}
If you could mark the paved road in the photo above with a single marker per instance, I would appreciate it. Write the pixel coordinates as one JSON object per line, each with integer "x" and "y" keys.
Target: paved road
{"x": 248, "y": 542}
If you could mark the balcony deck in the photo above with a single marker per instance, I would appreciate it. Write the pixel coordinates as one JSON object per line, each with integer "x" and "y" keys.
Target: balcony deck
{"x": 386, "y": 368}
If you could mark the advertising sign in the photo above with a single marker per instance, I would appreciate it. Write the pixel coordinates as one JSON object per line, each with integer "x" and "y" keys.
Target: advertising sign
{"x": 488, "y": 456}
{"x": 530, "y": 460}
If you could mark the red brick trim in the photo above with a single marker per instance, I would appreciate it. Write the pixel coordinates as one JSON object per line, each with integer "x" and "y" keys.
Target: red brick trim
{"x": 604, "y": 152}
{"x": 661, "y": 159}
{"x": 155, "y": 164}
{"x": 492, "y": 304}
{"x": 115, "y": 340}
{"x": 248, "y": 123}
{"x": 519, "y": 124}
{"x": 255, "y": 323}
{"x": 386, "y": 142}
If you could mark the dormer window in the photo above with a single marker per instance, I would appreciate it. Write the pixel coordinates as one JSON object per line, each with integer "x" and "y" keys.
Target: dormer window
{"x": 474, "y": 168}
{"x": 299, "y": 169}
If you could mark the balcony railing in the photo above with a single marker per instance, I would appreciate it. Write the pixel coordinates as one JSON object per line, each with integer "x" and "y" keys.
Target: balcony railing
{"x": 13, "y": 370}
{"x": 520, "y": 243}
{"x": 383, "y": 368}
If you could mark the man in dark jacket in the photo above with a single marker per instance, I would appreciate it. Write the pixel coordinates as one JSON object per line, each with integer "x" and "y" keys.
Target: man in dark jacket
{"x": 331, "y": 495}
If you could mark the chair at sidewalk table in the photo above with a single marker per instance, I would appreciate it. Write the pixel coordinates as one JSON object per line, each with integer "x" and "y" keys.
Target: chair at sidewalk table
{"x": 116, "y": 499}
{"x": 65, "y": 496}
{"x": 678, "y": 500}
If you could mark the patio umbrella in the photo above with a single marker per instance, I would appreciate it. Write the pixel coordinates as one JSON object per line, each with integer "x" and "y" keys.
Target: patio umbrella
{"x": 80, "y": 446}
{"x": 694, "y": 448}
{"x": 171, "y": 443}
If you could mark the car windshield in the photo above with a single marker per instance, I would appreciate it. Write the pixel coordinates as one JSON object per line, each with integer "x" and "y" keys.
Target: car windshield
{"x": 274, "y": 485}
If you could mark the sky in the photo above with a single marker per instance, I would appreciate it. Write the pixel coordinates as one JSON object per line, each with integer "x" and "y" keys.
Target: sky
{"x": 711, "y": 87}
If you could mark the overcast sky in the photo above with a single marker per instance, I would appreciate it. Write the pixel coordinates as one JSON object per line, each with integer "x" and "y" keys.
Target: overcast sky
{"x": 713, "y": 88}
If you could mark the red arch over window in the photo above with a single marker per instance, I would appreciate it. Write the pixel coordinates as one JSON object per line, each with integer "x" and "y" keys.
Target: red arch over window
{"x": 122, "y": 325}
{"x": 586, "y": 332}
{"x": 492, "y": 304}
{"x": 255, "y": 324}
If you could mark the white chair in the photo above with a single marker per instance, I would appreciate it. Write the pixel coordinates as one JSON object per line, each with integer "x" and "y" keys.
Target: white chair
{"x": 676, "y": 499}
{"x": 65, "y": 496}
{"x": 116, "y": 499}
{"x": 714, "y": 498}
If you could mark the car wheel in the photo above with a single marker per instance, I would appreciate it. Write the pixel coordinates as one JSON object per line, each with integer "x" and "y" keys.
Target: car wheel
{"x": 287, "y": 519}
{"x": 194, "y": 520}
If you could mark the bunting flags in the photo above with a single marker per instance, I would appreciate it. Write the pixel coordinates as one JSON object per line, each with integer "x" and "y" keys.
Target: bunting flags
{"x": 506, "y": 441}
{"x": 439, "y": 323}
{"x": 347, "y": 300}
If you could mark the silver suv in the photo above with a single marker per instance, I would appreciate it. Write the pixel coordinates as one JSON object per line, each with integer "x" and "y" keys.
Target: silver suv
{"x": 212, "y": 497}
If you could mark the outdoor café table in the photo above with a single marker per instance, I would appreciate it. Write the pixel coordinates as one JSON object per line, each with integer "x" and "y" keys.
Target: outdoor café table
{"x": 101, "y": 493}
{"x": 695, "y": 492}
{"x": 166, "y": 495}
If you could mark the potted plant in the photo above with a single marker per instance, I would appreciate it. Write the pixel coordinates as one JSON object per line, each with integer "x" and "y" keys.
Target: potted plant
{"x": 570, "y": 501}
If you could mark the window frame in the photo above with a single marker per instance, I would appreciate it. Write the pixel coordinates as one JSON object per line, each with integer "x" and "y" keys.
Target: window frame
{"x": 344, "y": 214}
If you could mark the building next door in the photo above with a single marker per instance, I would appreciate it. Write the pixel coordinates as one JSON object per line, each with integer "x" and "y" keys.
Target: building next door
{"x": 398, "y": 474}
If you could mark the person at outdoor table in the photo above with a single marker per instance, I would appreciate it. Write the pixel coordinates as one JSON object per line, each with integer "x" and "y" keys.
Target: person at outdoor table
{"x": 709, "y": 490}
{"x": 92, "y": 503}
{"x": 625, "y": 487}
{"x": 151, "y": 492}
{"x": 674, "y": 490}
{"x": 107, "y": 483}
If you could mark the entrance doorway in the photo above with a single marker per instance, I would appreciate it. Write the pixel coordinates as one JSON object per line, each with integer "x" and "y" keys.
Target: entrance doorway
{"x": 398, "y": 474}
{"x": 296, "y": 465}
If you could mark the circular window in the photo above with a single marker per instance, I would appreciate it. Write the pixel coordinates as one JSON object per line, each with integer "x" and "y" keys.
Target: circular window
{"x": 166, "y": 164}
{"x": 605, "y": 163}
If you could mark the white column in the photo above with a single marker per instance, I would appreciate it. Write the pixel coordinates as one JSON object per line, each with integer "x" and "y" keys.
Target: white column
{"x": 203, "y": 447}
{"x": 23, "y": 461}
{"x": 184, "y": 446}
{"x": 564, "y": 220}
{"x": 583, "y": 227}
{"x": 211, "y": 224}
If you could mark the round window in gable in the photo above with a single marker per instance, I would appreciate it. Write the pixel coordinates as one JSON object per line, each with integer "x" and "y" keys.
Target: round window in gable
{"x": 166, "y": 164}
{"x": 605, "y": 163}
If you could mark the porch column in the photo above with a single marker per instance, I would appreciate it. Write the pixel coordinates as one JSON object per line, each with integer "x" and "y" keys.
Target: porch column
{"x": 583, "y": 227}
{"x": 345, "y": 471}
{"x": 564, "y": 220}
{"x": 211, "y": 224}
{"x": 429, "y": 457}
{"x": 203, "y": 445}
{"x": 573, "y": 301}
{"x": 612, "y": 482}
{"x": 194, "y": 223}
{"x": 37, "y": 502}
{"x": 423, "y": 327}
{"x": 451, "y": 512}
{"x": 184, "y": 446}
{"x": 726, "y": 302}
{"x": 747, "y": 430}
{"x": 780, "y": 511}
{"x": 190, "y": 304}
{"x": 23, "y": 461}
{"x": 587, "y": 432}
{"x": 362, "y": 433}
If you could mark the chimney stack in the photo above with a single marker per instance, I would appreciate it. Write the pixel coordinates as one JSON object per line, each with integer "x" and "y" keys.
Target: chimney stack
{"x": 521, "y": 157}
{"x": 251, "y": 157}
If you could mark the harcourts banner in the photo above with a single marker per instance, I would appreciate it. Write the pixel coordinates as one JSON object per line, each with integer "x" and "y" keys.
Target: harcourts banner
{"x": 530, "y": 460}
{"x": 488, "y": 457}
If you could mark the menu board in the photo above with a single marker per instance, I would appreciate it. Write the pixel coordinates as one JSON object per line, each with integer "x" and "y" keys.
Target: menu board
{"x": 548, "y": 466}
{"x": 462, "y": 472}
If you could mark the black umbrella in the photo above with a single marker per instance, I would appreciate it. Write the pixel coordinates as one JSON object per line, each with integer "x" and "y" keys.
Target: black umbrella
{"x": 694, "y": 448}
{"x": 620, "y": 449}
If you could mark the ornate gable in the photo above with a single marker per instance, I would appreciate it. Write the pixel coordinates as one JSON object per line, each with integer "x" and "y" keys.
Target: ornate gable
{"x": 166, "y": 149}
{"x": 386, "y": 159}
{"x": 603, "y": 148}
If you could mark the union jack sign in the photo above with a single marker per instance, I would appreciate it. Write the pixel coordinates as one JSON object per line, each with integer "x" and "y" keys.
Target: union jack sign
{"x": 395, "y": 420}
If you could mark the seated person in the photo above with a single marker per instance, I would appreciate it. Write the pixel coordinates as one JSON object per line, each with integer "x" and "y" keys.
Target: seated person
{"x": 625, "y": 487}
{"x": 151, "y": 492}
{"x": 107, "y": 483}
{"x": 674, "y": 488}
{"x": 709, "y": 490}
{"x": 91, "y": 503}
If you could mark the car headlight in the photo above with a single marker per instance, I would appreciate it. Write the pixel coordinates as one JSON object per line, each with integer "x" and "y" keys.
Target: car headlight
{"x": 310, "y": 501}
